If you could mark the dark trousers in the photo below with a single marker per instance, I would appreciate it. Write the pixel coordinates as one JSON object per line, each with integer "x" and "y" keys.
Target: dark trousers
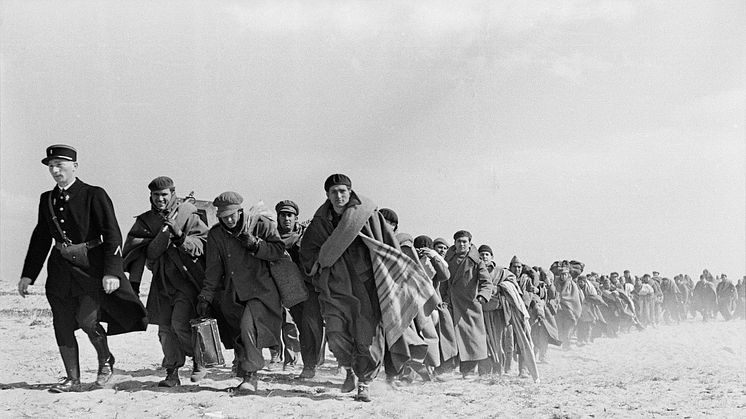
{"x": 365, "y": 360}
{"x": 249, "y": 355}
{"x": 307, "y": 317}
{"x": 70, "y": 312}
{"x": 174, "y": 330}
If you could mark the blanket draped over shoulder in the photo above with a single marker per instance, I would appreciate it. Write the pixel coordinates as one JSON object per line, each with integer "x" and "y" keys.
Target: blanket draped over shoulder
{"x": 404, "y": 289}
{"x": 520, "y": 320}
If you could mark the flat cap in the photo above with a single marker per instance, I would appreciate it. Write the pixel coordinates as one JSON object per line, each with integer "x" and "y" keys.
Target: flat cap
{"x": 160, "y": 183}
{"x": 337, "y": 179}
{"x": 286, "y": 206}
{"x": 227, "y": 203}
{"x": 60, "y": 151}
{"x": 461, "y": 233}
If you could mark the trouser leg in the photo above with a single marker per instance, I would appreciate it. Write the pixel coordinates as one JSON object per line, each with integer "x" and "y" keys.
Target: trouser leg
{"x": 252, "y": 358}
{"x": 341, "y": 346}
{"x": 307, "y": 316}
{"x": 367, "y": 359}
{"x": 87, "y": 318}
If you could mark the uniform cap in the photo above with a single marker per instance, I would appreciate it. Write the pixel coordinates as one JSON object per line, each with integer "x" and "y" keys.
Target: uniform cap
{"x": 60, "y": 151}
{"x": 286, "y": 206}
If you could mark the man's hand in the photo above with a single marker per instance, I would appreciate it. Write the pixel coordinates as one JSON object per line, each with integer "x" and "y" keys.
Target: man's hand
{"x": 428, "y": 252}
{"x": 203, "y": 307}
{"x": 175, "y": 229}
{"x": 23, "y": 284}
{"x": 248, "y": 241}
{"x": 110, "y": 283}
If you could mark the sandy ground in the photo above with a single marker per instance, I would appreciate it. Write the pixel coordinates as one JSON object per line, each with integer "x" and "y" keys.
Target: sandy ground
{"x": 694, "y": 369}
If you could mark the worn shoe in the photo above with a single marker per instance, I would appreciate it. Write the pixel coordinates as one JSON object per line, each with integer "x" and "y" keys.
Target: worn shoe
{"x": 363, "y": 392}
{"x": 69, "y": 385}
{"x": 198, "y": 373}
{"x": 350, "y": 382}
{"x": 307, "y": 373}
{"x": 105, "y": 371}
{"x": 250, "y": 384}
{"x": 172, "y": 378}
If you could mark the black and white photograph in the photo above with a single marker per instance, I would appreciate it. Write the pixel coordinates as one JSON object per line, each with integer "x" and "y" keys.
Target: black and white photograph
{"x": 387, "y": 209}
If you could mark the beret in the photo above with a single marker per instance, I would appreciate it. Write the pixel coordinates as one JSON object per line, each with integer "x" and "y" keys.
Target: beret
{"x": 389, "y": 215}
{"x": 423, "y": 241}
{"x": 286, "y": 206}
{"x": 227, "y": 203}
{"x": 160, "y": 183}
{"x": 462, "y": 233}
{"x": 337, "y": 179}
{"x": 60, "y": 151}
{"x": 485, "y": 248}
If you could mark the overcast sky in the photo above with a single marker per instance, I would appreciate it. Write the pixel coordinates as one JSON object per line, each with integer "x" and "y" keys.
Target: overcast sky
{"x": 610, "y": 132}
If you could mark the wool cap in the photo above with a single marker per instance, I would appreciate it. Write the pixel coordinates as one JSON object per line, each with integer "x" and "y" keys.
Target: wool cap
{"x": 404, "y": 239}
{"x": 485, "y": 248}
{"x": 423, "y": 241}
{"x": 160, "y": 183}
{"x": 389, "y": 215}
{"x": 60, "y": 151}
{"x": 441, "y": 241}
{"x": 227, "y": 203}
{"x": 337, "y": 179}
{"x": 286, "y": 206}
{"x": 461, "y": 233}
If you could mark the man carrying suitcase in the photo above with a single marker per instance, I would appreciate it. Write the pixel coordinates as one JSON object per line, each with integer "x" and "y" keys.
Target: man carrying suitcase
{"x": 238, "y": 252}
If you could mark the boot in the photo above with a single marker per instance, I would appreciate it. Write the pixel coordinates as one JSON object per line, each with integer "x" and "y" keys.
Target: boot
{"x": 424, "y": 371}
{"x": 508, "y": 361}
{"x": 72, "y": 369}
{"x": 349, "y": 383}
{"x": 172, "y": 378}
{"x": 363, "y": 392}
{"x": 105, "y": 358}
{"x": 250, "y": 384}
{"x": 308, "y": 372}
{"x": 198, "y": 372}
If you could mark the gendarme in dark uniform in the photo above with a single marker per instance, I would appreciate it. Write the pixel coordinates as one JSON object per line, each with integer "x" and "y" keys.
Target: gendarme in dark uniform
{"x": 81, "y": 297}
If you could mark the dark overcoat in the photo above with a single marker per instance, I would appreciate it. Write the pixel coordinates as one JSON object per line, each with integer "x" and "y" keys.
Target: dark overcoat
{"x": 85, "y": 213}
{"x": 469, "y": 279}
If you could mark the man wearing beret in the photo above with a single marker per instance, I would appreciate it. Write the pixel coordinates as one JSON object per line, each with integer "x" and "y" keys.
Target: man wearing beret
{"x": 76, "y": 215}
{"x": 307, "y": 315}
{"x": 369, "y": 290}
{"x": 469, "y": 289}
{"x": 239, "y": 249}
{"x": 497, "y": 315}
{"x": 170, "y": 240}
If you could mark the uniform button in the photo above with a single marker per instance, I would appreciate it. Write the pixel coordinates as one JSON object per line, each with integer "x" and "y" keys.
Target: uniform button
{"x": 62, "y": 209}
{"x": 61, "y": 220}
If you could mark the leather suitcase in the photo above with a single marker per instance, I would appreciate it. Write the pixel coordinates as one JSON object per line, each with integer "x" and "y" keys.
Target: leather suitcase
{"x": 207, "y": 349}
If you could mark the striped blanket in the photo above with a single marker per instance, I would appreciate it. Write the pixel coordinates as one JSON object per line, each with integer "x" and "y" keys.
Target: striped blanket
{"x": 403, "y": 288}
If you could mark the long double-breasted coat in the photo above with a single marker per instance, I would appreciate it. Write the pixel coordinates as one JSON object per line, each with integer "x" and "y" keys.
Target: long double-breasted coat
{"x": 85, "y": 213}
{"x": 469, "y": 278}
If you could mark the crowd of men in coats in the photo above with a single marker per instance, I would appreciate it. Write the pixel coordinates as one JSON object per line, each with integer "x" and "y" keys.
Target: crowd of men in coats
{"x": 348, "y": 278}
